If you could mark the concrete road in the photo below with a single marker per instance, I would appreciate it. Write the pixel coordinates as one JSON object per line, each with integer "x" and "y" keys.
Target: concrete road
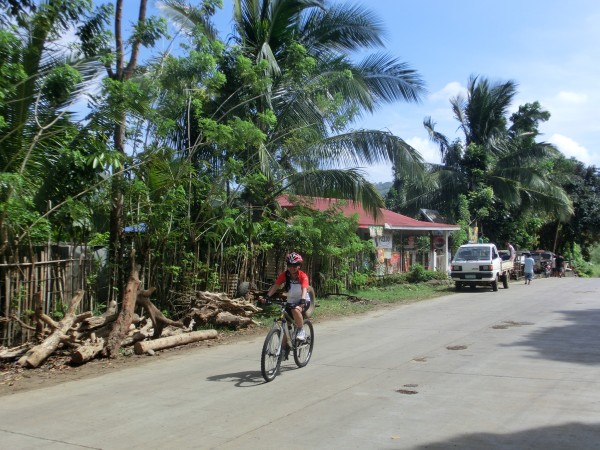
{"x": 514, "y": 369}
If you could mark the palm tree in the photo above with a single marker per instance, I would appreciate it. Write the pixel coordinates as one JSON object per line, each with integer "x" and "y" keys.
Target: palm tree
{"x": 303, "y": 48}
{"x": 501, "y": 169}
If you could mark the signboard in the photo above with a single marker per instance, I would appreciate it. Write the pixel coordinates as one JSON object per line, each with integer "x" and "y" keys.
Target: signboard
{"x": 384, "y": 241}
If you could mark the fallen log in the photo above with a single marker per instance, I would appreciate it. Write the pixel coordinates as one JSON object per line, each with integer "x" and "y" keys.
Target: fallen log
{"x": 36, "y": 355}
{"x": 173, "y": 341}
{"x": 86, "y": 352}
{"x": 227, "y": 319}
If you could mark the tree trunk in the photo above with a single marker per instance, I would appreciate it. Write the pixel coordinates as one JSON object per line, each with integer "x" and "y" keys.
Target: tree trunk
{"x": 121, "y": 326}
{"x": 122, "y": 72}
{"x": 39, "y": 353}
{"x": 173, "y": 341}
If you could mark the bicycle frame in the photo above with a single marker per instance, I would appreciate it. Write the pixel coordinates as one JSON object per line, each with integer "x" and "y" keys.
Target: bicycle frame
{"x": 285, "y": 322}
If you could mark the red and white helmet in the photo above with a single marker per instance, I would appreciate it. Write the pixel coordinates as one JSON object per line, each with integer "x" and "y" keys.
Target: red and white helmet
{"x": 294, "y": 258}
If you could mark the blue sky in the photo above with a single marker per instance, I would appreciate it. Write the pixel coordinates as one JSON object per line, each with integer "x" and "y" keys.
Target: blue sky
{"x": 550, "y": 48}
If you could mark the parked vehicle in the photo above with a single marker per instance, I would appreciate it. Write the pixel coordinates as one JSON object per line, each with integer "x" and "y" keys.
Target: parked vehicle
{"x": 541, "y": 257}
{"x": 480, "y": 265}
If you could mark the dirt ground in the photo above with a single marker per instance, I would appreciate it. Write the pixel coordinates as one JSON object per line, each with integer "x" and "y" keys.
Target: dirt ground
{"x": 56, "y": 369}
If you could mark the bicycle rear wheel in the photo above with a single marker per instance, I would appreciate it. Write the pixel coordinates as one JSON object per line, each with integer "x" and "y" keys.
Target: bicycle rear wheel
{"x": 271, "y": 355}
{"x": 303, "y": 349}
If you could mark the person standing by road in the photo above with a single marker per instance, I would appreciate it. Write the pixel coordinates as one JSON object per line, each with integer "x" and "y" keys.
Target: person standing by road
{"x": 560, "y": 266}
{"x": 528, "y": 268}
{"x": 512, "y": 251}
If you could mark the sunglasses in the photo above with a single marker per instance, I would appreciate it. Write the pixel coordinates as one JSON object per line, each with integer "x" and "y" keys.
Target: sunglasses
{"x": 293, "y": 265}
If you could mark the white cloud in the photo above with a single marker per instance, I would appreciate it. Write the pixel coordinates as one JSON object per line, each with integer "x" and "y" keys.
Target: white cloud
{"x": 572, "y": 97}
{"x": 449, "y": 91}
{"x": 570, "y": 148}
{"x": 428, "y": 150}
{"x": 379, "y": 173}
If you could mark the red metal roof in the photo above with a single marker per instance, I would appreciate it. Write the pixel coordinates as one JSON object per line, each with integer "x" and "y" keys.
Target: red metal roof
{"x": 387, "y": 218}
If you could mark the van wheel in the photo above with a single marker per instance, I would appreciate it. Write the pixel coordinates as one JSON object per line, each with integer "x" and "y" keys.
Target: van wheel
{"x": 495, "y": 285}
{"x": 505, "y": 281}
{"x": 458, "y": 285}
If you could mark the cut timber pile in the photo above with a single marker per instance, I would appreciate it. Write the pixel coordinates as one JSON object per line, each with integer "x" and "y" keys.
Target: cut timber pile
{"x": 209, "y": 308}
{"x": 86, "y": 337}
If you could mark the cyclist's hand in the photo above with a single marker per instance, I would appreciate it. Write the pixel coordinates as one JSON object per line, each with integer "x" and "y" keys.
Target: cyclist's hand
{"x": 266, "y": 299}
{"x": 302, "y": 302}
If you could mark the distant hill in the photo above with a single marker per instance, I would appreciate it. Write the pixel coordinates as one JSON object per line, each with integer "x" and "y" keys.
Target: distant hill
{"x": 383, "y": 188}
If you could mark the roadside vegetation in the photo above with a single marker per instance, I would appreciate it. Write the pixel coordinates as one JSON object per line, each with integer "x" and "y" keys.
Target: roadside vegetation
{"x": 417, "y": 285}
{"x": 183, "y": 153}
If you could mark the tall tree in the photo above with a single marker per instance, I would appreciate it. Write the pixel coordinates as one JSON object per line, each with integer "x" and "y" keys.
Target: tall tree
{"x": 502, "y": 170}
{"x": 40, "y": 82}
{"x": 122, "y": 97}
{"x": 316, "y": 90}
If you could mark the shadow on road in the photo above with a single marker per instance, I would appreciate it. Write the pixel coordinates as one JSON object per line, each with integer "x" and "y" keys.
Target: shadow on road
{"x": 573, "y": 435}
{"x": 246, "y": 379}
{"x": 576, "y": 342}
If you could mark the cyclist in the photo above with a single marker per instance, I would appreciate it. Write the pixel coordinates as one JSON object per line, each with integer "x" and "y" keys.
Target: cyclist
{"x": 295, "y": 284}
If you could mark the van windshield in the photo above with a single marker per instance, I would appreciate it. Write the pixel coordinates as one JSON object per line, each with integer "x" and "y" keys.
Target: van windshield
{"x": 472, "y": 254}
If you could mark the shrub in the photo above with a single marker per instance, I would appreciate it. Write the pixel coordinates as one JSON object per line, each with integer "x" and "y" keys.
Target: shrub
{"x": 418, "y": 274}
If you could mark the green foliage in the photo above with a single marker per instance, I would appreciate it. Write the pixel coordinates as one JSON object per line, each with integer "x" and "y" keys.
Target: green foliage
{"x": 11, "y": 71}
{"x": 359, "y": 279}
{"x": 60, "y": 83}
{"x": 579, "y": 265}
{"x": 418, "y": 274}
{"x": 99, "y": 239}
{"x": 59, "y": 311}
{"x": 461, "y": 236}
{"x": 331, "y": 236}
{"x": 21, "y": 216}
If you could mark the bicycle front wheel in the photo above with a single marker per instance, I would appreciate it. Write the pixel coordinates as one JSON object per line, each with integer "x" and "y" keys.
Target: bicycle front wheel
{"x": 271, "y": 355}
{"x": 303, "y": 349}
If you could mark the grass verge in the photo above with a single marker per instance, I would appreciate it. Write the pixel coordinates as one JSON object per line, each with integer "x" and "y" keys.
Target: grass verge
{"x": 365, "y": 300}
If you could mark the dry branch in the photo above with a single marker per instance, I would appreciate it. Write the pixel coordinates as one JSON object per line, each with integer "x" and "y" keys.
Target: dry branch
{"x": 109, "y": 316}
{"x": 158, "y": 319}
{"x": 8, "y": 354}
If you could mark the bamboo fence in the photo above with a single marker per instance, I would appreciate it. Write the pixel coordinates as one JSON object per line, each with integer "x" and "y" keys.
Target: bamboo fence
{"x": 55, "y": 279}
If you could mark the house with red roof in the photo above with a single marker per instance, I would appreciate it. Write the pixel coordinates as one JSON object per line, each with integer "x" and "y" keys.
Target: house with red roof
{"x": 393, "y": 234}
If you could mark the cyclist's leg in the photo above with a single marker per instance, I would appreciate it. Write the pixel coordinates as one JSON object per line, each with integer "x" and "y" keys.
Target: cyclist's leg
{"x": 297, "y": 314}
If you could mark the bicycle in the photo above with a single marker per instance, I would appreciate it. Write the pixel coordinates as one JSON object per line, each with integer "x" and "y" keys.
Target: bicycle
{"x": 273, "y": 351}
